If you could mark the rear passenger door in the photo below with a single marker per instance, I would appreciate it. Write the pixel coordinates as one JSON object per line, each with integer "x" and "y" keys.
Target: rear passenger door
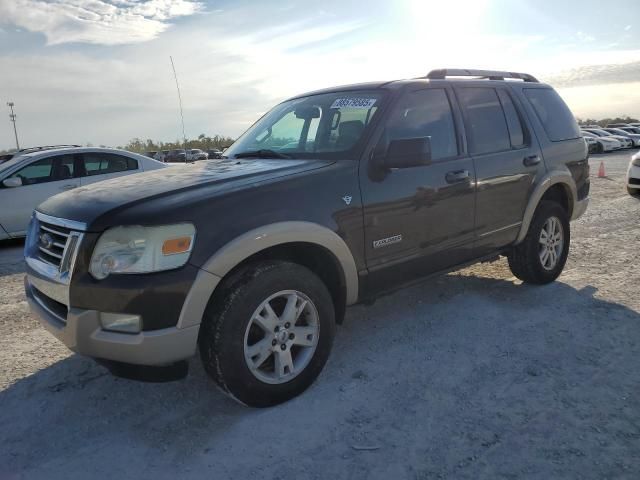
{"x": 101, "y": 166}
{"x": 506, "y": 160}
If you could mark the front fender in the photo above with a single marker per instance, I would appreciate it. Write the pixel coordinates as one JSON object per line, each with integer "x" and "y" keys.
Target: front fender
{"x": 257, "y": 240}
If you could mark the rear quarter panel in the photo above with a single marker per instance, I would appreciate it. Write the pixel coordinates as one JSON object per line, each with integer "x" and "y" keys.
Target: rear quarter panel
{"x": 566, "y": 155}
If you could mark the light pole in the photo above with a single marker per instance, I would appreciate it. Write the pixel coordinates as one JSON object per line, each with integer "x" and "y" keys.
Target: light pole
{"x": 12, "y": 116}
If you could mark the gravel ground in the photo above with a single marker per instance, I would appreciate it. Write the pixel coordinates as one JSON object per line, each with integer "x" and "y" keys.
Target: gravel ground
{"x": 469, "y": 375}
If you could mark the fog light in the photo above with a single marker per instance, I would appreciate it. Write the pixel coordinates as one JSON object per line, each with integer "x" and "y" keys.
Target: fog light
{"x": 118, "y": 322}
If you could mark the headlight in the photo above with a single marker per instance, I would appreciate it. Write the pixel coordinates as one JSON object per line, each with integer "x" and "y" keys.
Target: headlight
{"x": 635, "y": 160}
{"x": 138, "y": 249}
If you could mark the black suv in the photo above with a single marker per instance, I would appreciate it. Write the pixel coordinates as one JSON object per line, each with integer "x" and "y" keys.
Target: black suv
{"x": 332, "y": 198}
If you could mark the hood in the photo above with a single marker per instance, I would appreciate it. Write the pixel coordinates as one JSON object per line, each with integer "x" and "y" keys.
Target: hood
{"x": 85, "y": 204}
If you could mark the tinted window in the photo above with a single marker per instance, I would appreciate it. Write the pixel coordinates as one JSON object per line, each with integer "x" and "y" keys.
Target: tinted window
{"x": 553, "y": 113}
{"x": 425, "y": 113}
{"x": 37, "y": 172}
{"x": 485, "y": 121}
{"x": 513, "y": 119}
{"x": 105, "y": 163}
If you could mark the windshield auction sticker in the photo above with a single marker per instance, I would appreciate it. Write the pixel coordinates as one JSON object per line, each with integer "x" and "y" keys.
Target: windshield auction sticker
{"x": 353, "y": 103}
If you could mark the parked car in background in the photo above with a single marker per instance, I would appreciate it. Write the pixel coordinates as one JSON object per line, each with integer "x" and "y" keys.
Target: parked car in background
{"x": 625, "y": 141}
{"x": 634, "y": 137}
{"x": 635, "y": 124}
{"x": 174, "y": 156}
{"x": 161, "y": 155}
{"x": 631, "y": 129}
{"x": 29, "y": 179}
{"x": 633, "y": 175}
{"x": 196, "y": 154}
{"x": 592, "y": 143}
{"x": 617, "y": 125}
{"x": 150, "y": 154}
{"x": 214, "y": 153}
{"x": 604, "y": 144}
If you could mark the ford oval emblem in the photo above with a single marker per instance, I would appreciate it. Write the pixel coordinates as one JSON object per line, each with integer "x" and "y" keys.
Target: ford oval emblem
{"x": 46, "y": 241}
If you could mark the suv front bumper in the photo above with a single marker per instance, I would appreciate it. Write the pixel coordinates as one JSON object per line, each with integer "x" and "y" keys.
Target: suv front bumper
{"x": 80, "y": 330}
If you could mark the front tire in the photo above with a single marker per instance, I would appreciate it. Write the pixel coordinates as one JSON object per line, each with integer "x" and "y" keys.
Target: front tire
{"x": 599, "y": 148}
{"x": 268, "y": 333}
{"x": 541, "y": 256}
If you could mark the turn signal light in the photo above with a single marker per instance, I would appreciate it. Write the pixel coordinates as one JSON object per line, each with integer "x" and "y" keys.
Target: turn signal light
{"x": 176, "y": 245}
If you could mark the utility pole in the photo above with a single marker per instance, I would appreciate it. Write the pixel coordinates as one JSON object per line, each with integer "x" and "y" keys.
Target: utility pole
{"x": 12, "y": 116}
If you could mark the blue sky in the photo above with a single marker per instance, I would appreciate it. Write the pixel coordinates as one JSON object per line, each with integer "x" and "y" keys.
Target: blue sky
{"x": 98, "y": 70}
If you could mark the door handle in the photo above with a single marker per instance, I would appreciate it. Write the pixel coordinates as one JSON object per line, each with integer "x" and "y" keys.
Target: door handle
{"x": 67, "y": 187}
{"x": 457, "y": 176}
{"x": 531, "y": 160}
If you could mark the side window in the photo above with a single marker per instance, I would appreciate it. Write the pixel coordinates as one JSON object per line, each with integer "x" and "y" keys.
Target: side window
{"x": 37, "y": 172}
{"x": 513, "y": 120}
{"x": 553, "y": 113}
{"x": 63, "y": 167}
{"x": 97, "y": 163}
{"x": 425, "y": 113}
{"x": 485, "y": 121}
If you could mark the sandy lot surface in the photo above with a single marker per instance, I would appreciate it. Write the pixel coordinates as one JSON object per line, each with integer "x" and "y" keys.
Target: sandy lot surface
{"x": 469, "y": 375}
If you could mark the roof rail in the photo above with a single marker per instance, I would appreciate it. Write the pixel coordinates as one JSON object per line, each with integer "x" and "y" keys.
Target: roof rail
{"x": 45, "y": 147}
{"x": 441, "y": 74}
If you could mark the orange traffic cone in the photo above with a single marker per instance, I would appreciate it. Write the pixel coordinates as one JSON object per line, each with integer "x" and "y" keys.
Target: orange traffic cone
{"x": 601, "y": 173}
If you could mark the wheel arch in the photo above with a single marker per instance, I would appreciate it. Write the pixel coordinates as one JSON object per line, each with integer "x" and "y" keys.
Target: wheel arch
{"x": 309, "y": 244}
{"x": 556, "y": 186}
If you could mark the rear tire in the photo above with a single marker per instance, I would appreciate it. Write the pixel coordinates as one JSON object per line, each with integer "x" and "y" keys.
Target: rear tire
{"x": 268, "y": 333}
{"x": 541, "y": 256}
{"x": 599, "y": 148}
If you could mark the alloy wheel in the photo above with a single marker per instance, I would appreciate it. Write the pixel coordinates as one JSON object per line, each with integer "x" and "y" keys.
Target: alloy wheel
{"x": 281, "y": 337}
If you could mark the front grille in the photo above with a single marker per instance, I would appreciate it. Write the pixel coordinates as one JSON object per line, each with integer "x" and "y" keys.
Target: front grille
{"x": 52, "y": 241}
{"x": 52, "y": 246}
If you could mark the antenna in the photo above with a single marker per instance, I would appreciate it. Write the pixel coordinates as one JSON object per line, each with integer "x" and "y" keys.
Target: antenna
{"x": 184, "y": 136}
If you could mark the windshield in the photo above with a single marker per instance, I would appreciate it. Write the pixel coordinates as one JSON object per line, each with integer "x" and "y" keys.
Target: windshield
{"x": 328, "y": 125}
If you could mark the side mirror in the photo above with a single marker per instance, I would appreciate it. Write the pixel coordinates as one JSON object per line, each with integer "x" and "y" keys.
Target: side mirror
{"x": 408, "y": 152}
{"x": 12, "y": 182}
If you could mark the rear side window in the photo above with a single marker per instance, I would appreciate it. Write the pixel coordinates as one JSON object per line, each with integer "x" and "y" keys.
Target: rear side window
{"x": 485, "y": 121}
{"x": 105, "y": 163}
{"x": 553, "y": 113}
{"x": 514, "y": 124}
{"x": 425, "y": 113}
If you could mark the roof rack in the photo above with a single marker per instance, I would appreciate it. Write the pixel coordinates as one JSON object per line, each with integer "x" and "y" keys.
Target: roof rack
{"x": 441, "y": 74}
{"x": 44, "y": 147}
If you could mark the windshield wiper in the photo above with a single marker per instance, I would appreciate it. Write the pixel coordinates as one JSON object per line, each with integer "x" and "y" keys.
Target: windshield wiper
{"x": 264, "y": 153}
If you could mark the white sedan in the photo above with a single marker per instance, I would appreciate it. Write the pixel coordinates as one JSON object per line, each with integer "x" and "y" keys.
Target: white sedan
{"x": 603, "y": 144}
{"x": 633, "y": 175}
{"x": 28, "y": 180}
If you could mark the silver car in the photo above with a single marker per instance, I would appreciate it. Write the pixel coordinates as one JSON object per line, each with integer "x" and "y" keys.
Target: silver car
{"x": 29, "y": 179}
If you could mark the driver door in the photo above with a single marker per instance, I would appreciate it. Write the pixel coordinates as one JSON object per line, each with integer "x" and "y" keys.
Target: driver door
{"x": 41, "y": 179}
{"x": 418, "y": 220}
